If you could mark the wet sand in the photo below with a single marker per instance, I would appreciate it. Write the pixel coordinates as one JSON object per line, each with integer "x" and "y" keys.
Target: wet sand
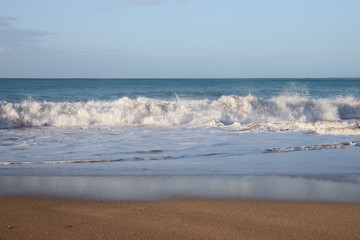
{"x": 44, "y": 218}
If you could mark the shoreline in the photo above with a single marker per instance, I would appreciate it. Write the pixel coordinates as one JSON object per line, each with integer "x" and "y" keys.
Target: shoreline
{"x": 59, "y": 218}
{"x": 344, "y": 188}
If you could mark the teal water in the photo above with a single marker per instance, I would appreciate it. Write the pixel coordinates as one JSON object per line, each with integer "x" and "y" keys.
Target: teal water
{"x": 72, "y": 90}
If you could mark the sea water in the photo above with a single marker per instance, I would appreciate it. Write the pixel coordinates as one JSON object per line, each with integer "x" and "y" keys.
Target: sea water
{"x": 153, "y": 138}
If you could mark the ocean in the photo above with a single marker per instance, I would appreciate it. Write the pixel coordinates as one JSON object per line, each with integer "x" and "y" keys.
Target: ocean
{"x": 124, "y": 139}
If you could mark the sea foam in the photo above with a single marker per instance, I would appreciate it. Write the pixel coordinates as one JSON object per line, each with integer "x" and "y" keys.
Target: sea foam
{"x": 315, "y": 147}
{"x": 329, "y": 116}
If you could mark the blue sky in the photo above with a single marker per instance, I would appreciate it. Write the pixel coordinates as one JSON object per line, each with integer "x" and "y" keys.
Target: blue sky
{"x": 179, "y": 38}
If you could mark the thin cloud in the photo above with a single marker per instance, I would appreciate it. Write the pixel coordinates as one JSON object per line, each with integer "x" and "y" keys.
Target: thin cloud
{"x": 11, "y": 36}
{"x": 146, "y": 2}
{"x": 5, "y": 23}
{"x": 127, "y": 3}
{"x": 6, "y": 18}
{"x": 4, "y": 49}
{"x": 154, "y": 2}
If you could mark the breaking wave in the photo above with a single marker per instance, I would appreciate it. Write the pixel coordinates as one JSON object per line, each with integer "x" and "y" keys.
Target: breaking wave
{"x": 249, "y": 113}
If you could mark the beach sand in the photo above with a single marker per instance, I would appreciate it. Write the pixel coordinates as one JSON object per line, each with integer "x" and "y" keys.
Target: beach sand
{"x": 43, "y": 218}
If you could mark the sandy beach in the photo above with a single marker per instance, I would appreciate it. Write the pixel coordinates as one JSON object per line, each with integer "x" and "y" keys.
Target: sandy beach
{"x": 44, "y": 218}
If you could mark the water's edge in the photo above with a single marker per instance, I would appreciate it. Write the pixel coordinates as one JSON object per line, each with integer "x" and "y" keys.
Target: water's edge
{"x": 328, "y": 188}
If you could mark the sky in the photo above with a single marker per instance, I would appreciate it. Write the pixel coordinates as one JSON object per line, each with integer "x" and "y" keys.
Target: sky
{"x": 179, "y": 38}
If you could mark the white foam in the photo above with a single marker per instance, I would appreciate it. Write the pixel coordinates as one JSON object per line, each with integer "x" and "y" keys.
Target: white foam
{"x": 86, "y": 161}
{"x": 250, "y": 113}
{"x": 318, "y": 127}
{"x": 316, "y": 147}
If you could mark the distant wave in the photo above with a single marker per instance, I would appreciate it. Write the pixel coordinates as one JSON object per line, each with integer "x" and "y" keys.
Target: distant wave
{"x": 243, "y": 113}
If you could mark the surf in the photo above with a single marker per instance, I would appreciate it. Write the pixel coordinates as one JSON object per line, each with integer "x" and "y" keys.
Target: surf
{"x": 253, "y": 113}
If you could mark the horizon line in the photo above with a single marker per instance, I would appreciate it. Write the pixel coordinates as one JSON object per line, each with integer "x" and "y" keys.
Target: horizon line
{"x": 175, "y": 78}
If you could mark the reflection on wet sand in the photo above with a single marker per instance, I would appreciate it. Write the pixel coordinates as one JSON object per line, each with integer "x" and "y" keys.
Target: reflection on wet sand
{"x": 160, "y": 187}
